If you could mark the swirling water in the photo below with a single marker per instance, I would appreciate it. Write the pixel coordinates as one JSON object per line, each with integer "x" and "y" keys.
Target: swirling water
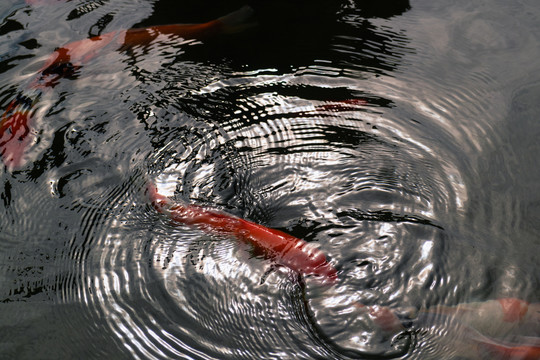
{"x": 400, "y": 139}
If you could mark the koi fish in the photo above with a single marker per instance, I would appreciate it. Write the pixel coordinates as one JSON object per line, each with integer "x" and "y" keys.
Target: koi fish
{"x": 66, "y": 62}
{"x": 484, "y": 324}
{"x": 507, "y": 314}
{"x": 285, "y": 249}
{"x": 495, "y": 318}
{"x": 489, "y": 321}
{"x": 493, "y": 351}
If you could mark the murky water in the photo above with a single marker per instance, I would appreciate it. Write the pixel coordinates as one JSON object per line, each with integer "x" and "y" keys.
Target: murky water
{"x": 399, "y": 139}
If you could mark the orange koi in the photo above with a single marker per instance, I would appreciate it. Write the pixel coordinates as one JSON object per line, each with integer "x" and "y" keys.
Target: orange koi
{"x": 66, "y": 62}
{"x": 496, "y": 318}
{"x": 285, "y": 249}
{"x": 513, "y": 311}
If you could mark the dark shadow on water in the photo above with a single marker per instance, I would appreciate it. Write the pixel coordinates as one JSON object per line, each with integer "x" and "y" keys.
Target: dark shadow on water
{"x": 288, "y": 34}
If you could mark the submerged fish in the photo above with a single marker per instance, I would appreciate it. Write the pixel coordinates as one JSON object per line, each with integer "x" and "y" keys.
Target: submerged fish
{"x": 494, "y": 318}
{"x": 15, "y": 129}
{"x": 489, "y": 349}
{"x": 66, "y": 62}
{"x": 285, "y": 249}
{"x": 493, "y": 329}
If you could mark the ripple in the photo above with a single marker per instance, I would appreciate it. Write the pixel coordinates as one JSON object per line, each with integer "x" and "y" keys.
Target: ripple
{"x": 348, "y": 187}
{"x": 368, "y": 146}
{"x": 195, "y": 290}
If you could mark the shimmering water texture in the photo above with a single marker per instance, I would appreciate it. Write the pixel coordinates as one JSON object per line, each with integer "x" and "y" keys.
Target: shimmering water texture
{"x": 269, "y": 180}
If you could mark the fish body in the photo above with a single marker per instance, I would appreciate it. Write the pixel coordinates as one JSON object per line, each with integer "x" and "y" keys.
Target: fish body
{"x": 495, "y": 351}
{"x": 285, "y": 249}
{"x": 495, "y": 318}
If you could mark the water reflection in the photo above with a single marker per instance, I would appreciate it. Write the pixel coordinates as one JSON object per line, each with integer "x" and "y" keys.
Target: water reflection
{"x": 289, "y": 145}
{"x": 326, "y": 124}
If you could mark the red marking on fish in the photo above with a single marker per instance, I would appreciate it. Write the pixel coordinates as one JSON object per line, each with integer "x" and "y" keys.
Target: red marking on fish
{"x": 15, "y": 135}
{"x": 513, "y": 309}
{"x": 285, "y": 249}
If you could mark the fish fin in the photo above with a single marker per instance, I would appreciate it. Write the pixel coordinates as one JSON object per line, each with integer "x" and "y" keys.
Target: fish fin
{"x": 238, "y": 20}
{"x": 269, "y": 271}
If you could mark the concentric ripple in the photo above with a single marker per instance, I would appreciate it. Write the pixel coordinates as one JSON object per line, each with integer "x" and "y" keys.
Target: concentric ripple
{"x": 333, "y": 172}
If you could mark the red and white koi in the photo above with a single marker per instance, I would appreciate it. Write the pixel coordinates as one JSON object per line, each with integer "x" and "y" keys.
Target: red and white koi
{"x": 489, "y": 324}
{"x": 494, "y": 318}
{"x": 283, "y": 248}
{"x": 496, "y": 350}
{"x": 498, "y": 319}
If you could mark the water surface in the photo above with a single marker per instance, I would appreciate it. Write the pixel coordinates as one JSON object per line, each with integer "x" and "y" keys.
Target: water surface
{"x": 399, "y": 139}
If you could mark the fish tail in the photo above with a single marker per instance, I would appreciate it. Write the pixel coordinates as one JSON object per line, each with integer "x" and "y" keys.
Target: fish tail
{"x": 238, "y": 20}
{"x": 231, "y": 23}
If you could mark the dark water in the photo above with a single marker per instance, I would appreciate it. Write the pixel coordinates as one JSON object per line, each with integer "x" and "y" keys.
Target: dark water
{"x": 401, "y": 139}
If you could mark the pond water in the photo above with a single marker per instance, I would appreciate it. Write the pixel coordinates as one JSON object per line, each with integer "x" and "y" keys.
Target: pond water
{"x": 400, "y": 139}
